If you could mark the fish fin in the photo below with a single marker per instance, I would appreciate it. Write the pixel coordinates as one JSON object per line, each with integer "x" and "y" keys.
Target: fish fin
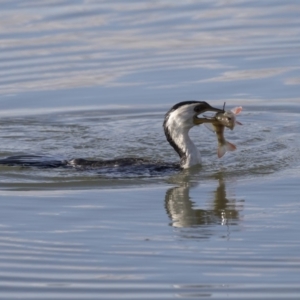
{"x": 237, "y": 122}
{"x": 237, "y": 110}
{"x": 224, "y": 148}
{"x": 210, "y": 127}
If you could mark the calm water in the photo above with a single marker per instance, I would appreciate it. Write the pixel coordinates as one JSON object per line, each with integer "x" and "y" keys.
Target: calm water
{"x": 93, "y": 79}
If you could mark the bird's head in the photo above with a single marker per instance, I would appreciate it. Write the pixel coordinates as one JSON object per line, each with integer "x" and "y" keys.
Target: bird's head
{"x": 185, "y": 114}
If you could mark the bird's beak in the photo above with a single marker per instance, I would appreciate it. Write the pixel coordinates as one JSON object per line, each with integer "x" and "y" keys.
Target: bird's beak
{"x": 214, "y": 109}
{"x": 198, "y": 121}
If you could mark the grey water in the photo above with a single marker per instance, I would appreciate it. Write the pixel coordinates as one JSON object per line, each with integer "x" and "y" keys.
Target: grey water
{"x": 93, "y": 79}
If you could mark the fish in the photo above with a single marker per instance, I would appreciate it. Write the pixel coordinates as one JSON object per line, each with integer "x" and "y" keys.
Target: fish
{"x": 218, "y": 123}
{"x": 228, "y": 118}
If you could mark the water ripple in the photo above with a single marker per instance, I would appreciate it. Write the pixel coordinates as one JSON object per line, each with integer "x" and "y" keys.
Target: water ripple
{"x": 107, "y": 44}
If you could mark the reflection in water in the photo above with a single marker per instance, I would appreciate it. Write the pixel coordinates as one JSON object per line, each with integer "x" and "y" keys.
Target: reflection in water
{"x": 181, "y": 209}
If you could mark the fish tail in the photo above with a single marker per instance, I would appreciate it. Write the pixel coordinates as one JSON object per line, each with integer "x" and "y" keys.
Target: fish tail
{"x": 224, "y": 148}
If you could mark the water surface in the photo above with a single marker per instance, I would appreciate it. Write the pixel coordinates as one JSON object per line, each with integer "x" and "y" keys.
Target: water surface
{"x": 93, "y": 79}
{"x": 219, "y": 239}
{"x": 59, "y": 53}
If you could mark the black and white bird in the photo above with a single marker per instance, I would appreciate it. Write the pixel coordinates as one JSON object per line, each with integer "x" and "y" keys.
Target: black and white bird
{"x": 177, "y": 123}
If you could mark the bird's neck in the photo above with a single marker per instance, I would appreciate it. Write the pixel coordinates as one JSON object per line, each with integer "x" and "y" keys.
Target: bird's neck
{"x": 178, "y": 137}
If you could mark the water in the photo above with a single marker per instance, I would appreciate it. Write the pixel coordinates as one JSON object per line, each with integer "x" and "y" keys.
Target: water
{"x": 90, "y": 79}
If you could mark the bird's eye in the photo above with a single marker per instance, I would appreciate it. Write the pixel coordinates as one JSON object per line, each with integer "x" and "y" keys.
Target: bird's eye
{"x": 199, "y": 108}
{"x": 229, "y": 119}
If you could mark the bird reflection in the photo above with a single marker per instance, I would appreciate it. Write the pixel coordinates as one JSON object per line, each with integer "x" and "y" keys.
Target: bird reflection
{"x": 183, "y": 213}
